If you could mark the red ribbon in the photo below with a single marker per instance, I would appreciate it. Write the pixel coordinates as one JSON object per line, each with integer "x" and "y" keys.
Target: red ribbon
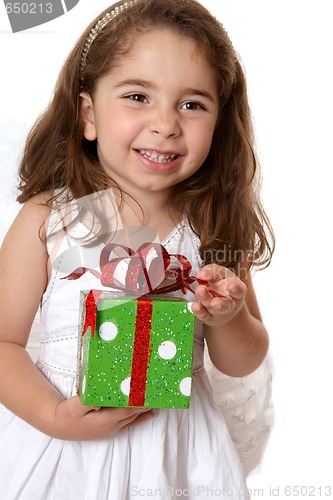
{"x": 161, "y": 277}
{"x": 141, "y": 352}
{"x": 91, "y": 313}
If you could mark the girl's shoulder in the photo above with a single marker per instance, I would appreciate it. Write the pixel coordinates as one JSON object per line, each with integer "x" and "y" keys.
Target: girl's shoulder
{"x": 31, "y": 218}
{"x": 39, "y": 204}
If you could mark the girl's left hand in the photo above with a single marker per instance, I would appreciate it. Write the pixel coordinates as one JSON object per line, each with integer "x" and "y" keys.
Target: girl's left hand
{"x": 217, "y": 311}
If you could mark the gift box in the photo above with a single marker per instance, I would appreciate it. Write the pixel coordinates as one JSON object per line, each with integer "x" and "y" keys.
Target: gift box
{"x": 136, "y": 343}
{"x": 135, "y": 351}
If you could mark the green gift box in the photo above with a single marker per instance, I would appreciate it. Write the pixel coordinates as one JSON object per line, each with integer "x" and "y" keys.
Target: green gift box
{"x": 135, "y": 351}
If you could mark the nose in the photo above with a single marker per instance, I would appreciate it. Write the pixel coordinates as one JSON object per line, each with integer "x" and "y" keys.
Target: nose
{"x": 165, "y": 122}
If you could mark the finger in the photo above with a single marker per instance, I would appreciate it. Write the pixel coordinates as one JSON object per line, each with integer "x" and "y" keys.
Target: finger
{"x": 200, "y": 311}
{"x": 225, "y": 306}
{"x": 230, "y": 286}
{"x": 237, "y": 289}
{"x": 221, "y": 281}
{"x": 93, "y": 408}
{"x": 128, "y": 412}
{"x": 89, "y": 409}
{"x": 216, "y": 306}
{"x": 208, "y": 300}
{"x": 117, "y": 418}
{"x": 202, "y": 293}
{"x": 136, "y": 419}
{"x": 118, "y": 413}
{"x": 213, "y": 272}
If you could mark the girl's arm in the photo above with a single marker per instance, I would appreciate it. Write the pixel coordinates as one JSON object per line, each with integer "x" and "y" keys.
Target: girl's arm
{"x": 236, "y": 337}
{"x": 23, "y": 389}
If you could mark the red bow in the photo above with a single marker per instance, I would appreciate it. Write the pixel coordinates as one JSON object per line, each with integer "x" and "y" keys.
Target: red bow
{"x": 145, "y": 275}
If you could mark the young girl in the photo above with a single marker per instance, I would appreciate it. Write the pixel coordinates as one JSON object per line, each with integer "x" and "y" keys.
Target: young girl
{"x": 150, "y": 113}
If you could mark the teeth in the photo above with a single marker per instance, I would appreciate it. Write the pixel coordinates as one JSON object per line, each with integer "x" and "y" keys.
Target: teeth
{"x": 158, "y": 158}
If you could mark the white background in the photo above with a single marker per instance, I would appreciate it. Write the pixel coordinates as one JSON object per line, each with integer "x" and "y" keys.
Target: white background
{"x": 286, "y": 49}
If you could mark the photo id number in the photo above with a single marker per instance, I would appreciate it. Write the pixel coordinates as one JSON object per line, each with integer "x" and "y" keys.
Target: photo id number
{"x": 28, "y": 8}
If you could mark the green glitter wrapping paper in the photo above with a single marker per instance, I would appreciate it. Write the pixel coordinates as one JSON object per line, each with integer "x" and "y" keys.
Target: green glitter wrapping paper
{"x": 130, "y": 361}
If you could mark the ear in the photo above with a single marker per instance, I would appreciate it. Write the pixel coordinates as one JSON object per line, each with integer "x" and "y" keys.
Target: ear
{"x": 88, "y": 116}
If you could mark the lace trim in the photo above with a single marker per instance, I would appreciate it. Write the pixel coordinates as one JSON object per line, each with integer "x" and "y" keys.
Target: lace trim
{"x": 56, "y": 368}
{"x": 58, "y": 339}
{"x": 176, "y": 230}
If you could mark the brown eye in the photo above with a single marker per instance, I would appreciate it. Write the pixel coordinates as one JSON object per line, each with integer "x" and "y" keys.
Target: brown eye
{"x": 193, "y": 105}
{"x": 137, "y": 97}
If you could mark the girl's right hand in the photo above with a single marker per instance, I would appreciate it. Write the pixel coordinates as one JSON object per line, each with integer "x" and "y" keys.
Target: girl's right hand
{"x": 75, "y": 421}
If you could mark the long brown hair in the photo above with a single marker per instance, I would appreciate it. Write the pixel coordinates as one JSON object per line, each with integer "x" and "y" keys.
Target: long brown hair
{"x": 221, "y": 200}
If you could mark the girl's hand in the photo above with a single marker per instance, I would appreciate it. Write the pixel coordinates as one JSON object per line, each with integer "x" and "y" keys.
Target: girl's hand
{"x": 236, "y": 338}
{"x": 75, "y": 421}
{"x": 217, "y": 311}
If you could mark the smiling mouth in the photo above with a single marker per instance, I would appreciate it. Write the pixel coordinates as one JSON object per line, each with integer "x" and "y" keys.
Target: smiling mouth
{"x": 158, "y": 157}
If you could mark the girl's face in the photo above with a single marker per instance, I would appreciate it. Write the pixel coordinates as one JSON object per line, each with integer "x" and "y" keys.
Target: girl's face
{"x": 153, "y": 114}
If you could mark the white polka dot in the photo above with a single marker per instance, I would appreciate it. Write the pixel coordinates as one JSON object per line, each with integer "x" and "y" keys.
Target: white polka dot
{"x": 125, "y": 386}
{"x": 167, "y": 350}
{"x": 108, "y": 331}
{"x": 189, "y": 305}
{"x": 83, "y": 385}
{"x": 185, "y": 386}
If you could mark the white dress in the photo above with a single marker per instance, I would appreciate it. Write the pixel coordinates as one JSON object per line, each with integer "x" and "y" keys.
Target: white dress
{"x": 203, "y": 452}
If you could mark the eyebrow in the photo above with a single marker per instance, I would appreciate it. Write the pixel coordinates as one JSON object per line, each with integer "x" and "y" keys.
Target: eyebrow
{"x": 150, "y": 85}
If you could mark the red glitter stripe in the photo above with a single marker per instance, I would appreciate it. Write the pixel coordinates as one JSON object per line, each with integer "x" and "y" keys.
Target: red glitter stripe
{"x": 141, "y": 352}
{"x": 91, "y": 303}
